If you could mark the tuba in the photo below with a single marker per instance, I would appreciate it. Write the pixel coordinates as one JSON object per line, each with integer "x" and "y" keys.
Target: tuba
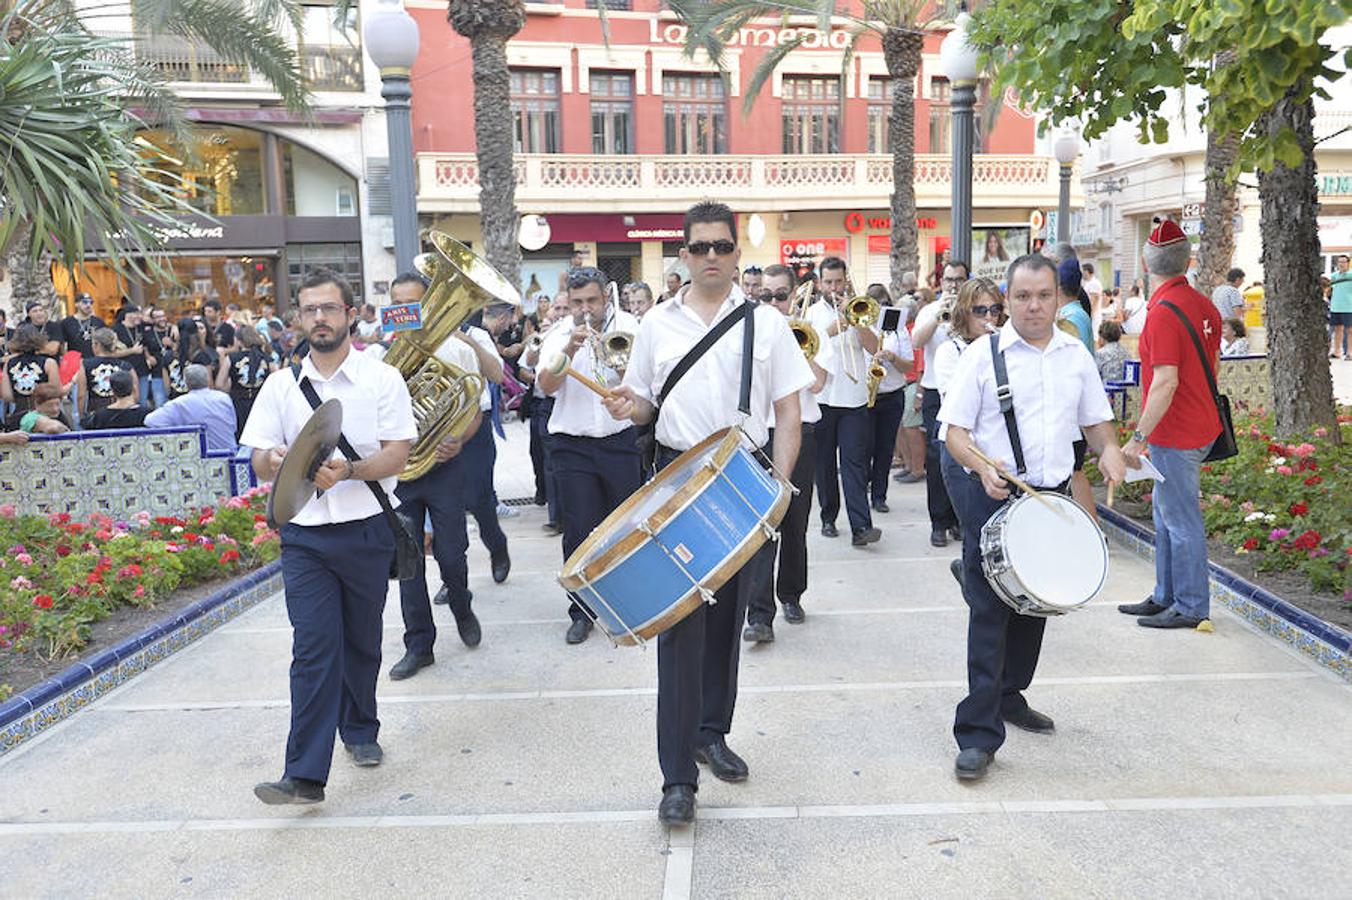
{"x": 445, "y": 397}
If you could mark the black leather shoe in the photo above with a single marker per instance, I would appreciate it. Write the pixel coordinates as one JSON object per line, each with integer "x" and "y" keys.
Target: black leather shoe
{"x": 289, "y": 790}
{"x": 444, "y": 596}
{"x": 467, "y": 623}
{"x": 1031, "y": 720}
{"x": 578, "y": 631}
{"x": 552, "y": 529}
{"x": 410, "y": 664}
{"x": 793, "y": 613}
{"x": 938, "y": 538}
{"x": 972, "y": 764}
{"x": 678, "y": 805}
{"x": 365, "y": 755}
{"x": 540, "y": 500}
{"x": 865, "y": 536}
{"x": 1147, "y": 607}
{"x": 955, "y": 533}
{"x": 502, "y": 565}
{"x": 955, "y": 569}
{"x": 880, "y": 506}
{"x": 829, "y": 529}
{"x": 759, "y": 633}
{"x": 1168, "y": 618}
{"x": 722, "y": 762}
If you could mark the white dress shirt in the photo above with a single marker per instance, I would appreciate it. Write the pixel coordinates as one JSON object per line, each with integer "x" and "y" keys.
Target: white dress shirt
{"x": 809, "y": 405}
{"x": 577, "y": 409}
{"x": 485, "y": 340}
{"x": 898, "y": 342}
{"x": 1057, "y": 391}
{"x": 946, "y": 362}
{"x": 705, "y": 399}
{"x": 376, "y": 407}
{"x": 930, "y": 313}
{"x": 847, "y": 358}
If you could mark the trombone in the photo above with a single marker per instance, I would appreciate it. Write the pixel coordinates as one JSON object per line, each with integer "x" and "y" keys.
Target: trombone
{"x": 803, "y": 332}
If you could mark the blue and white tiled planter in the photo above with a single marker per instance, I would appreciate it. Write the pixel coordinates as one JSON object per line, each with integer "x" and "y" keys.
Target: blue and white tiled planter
{"x": 28, "y": 714}
{"x": 1322, "y": 642}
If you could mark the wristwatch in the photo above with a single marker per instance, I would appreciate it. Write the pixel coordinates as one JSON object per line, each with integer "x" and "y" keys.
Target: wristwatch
{"x": 351, "y": 470}
{"x": 1138, "y": 436}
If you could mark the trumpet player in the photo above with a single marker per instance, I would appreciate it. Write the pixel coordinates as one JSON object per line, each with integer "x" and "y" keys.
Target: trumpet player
{"x": 931, "y": 332}
{"x": 844, "y": 429}
{"x": 788, "y": 580}
{"x": 595, "y": 457}
{"x": 897, "y": 358}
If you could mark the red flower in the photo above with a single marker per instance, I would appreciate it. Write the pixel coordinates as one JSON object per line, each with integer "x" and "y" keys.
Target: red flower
{"x": 190, "y": 536}
{"x": 63, "y": 518}
{"x": 259, "y": 517}
{"x": 43, "y": 601}
{"x": 75, "y": 528}
{"x": 94, "y": 577}
{"x": 1276, "y": 450}
{"x": 62, "y": 550}
{"x": 1312, "y": 480}
{"x": 1298, "y": 509}
{"x": 1307, "y": 541}
{"x": 1251, "y": 544}
{"x": 1206, "y": 469}
{"x": 229, "y": 556}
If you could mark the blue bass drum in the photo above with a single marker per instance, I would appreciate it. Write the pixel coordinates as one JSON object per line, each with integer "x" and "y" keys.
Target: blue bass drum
{"x": 678, "y": 539}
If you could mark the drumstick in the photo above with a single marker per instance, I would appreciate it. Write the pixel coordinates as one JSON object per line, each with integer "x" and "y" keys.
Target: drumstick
{"x": 1112, "y": 486}
{"x": 559, "y": 365}
{"x": 1017, "y": 482}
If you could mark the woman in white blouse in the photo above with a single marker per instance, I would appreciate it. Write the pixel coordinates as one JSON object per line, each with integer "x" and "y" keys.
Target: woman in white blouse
{"x": 979, "y": 310}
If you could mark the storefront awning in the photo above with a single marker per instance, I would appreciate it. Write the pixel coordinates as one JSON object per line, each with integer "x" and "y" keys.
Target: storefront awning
{"x": 616, "y": 228}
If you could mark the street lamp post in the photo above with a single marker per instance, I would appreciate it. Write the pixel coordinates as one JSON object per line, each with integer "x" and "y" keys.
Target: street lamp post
{"x": 1067, "y": 150}
{"x": 392, "y": 40}
{"x": 958, "y": 60}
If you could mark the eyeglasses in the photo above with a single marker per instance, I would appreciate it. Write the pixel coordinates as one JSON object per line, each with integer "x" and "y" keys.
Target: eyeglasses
{"x": 995, "y": 309}
{"x": 779, "y": 296}
{"x": 954, "y": 281}
{"x": 702, "y": 248}
{"x": 328, "y": 310}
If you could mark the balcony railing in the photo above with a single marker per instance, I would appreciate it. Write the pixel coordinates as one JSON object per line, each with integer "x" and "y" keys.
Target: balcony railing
{"x": 186, "y": 62}
{"x": 449, "y": 182}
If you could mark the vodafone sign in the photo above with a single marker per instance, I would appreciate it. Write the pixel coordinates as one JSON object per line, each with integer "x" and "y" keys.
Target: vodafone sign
{"x": 857, "y": 221}
{"x": 806, "y": 251}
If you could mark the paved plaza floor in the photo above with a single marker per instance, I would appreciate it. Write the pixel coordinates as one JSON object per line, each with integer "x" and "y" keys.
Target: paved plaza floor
{"x": 1183, "y": 764}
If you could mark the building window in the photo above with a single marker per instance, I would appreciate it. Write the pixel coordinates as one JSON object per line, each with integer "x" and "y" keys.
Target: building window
{"x": 694, "y": 112}
{"x": 330, "y": 49}
{"x": 940, "y": 90}
{"x": 940, "y": 118}
{"x": 618, "y": 5}
{"x": 811, "y": 111}
{"x": 315, "y": 186}
{"x": 345, "y": 259}
{"x": 612, "y": 112}
{"x": 879, "y": 113}
{"x": 220, "y": 174}
{"x": 535, "y": 109}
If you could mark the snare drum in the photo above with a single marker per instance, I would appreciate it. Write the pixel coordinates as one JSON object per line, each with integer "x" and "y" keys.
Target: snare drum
{"x": 1043, "y": 562}
{"x": 678, "y": 539}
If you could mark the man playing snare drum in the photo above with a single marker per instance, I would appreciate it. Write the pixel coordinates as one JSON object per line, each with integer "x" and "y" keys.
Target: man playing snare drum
{"x": 697, "y": 658}
{"x": 1056, "y": 392}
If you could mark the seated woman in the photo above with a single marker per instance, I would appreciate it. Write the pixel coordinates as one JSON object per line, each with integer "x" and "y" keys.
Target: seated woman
{"x": 45, "y": 417}
{"x": 1233, "y": 340}
{"x": 123, "y": 411}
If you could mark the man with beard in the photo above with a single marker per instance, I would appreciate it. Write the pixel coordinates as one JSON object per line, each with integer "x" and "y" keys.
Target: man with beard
{"x": 337, "y": 551}
{"x": 78, "y": 330}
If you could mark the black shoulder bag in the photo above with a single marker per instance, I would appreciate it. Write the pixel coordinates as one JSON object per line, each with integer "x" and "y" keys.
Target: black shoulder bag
{"x": 1005, "y": 395}
{"x": 1224, "y": 446}
{"x": 743, "y": 312}
{"x": 407, "y": 551}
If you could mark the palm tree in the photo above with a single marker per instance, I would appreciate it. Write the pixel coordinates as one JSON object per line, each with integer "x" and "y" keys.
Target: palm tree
{"x": 489, "y": 24}
{"x": 895, "y": 23}
{"x": 72, "y": 103}
{"x": 1217, "y": 248}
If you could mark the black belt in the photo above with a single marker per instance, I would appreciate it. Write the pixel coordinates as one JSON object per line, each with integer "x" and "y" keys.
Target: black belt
{"x": 1062, "y": 488}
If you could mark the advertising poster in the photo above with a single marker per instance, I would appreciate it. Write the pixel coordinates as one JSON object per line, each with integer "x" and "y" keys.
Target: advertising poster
{"x": 803, "y": 252}
{"x": 994, "y": 247}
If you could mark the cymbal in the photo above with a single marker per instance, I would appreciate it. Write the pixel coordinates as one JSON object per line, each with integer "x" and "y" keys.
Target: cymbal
{"x": 294, "y": 485}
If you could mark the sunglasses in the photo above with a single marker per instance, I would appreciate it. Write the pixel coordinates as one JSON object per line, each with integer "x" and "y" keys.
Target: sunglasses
{"x": 702, "y": 248}
{"x": 780, "y": 296}
{"x": 995, "y": 309}
{"x": 585, "y": 275}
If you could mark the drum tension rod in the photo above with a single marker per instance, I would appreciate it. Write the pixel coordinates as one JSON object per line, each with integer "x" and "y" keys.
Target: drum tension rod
{"x": 586, "y": 610}
{"x": 705, "y": 594}
{"x": 771, "y": 533}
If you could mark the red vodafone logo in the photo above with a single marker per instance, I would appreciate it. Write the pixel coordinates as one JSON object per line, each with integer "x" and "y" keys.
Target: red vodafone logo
{"x": 854, "y": 222}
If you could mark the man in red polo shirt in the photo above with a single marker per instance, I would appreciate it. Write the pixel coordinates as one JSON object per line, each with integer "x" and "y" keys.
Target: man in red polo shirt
{"x": 1179, "y": 422}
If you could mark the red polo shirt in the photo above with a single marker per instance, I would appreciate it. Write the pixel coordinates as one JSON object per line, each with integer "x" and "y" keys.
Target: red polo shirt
{"x": 1192, "y": 420}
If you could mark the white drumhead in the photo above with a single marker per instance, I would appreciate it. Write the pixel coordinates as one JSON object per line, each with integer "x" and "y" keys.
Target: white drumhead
{"x": 1060, "y": 556}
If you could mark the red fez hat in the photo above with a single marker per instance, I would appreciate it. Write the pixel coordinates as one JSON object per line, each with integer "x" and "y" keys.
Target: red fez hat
{"x": 1167, "y": 232}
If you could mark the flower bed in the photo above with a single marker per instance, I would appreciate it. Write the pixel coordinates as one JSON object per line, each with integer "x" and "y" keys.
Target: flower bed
{"x": 58, "y": 576}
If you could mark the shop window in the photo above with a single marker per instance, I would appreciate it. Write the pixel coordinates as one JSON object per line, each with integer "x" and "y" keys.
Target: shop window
{"x": 345, "y": 259}
{"x": 220, "y": 173}
{"x": 330, "y": 48}
{"x": 694, "y": 111}
{"x": 612, "y": 112}
{"x": 811, "y": 114}
{"x": 879, "y": 113}
{"x": 535, "y": 110}
{"x": 315, "y": 186}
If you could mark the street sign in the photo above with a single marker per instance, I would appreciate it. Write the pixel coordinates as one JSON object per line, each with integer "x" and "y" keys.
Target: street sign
{"x": 1036, "y": 220}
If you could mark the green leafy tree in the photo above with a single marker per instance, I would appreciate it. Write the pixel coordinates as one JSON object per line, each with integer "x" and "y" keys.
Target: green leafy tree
{"x": 1105, "y": 61}
{"x": 489, "y": 25}
{"x": 72, "y": 104}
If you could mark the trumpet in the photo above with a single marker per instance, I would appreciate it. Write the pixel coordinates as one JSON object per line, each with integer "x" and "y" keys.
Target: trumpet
{"x": 613, "y": 349}
{"x": 803, "y": 332}
{"x": 859, "y": 312}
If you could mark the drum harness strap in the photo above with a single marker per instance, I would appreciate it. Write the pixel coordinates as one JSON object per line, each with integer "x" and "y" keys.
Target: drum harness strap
{"x": 1005, "y": 395}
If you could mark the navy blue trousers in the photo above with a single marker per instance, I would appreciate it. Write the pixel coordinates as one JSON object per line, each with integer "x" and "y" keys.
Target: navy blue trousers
{"x": 847, "y": 430}
{"x": 886, "y": 415}
{"x": 788, "y": 580}
{"x": 479, "y": 455}
{"x": 942, "y": 516}
{"x": 541, "y": 457}
{"x": 697, "y": 662}
{"x": 336, "y": 578}
{"x": 439, "y": 495}
{"x": 1002, "y": 646}
{"x": 594, "y": 475}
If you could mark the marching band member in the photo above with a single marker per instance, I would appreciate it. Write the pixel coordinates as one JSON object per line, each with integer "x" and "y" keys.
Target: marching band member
{"x": 595, "y": 457}
{"x": 1056, "y": 392}
{"x": 697, "y": 658}
{"x": 930, "y": 332}
{"x": 438, "y": 497}
{"x": 791, "y": 580}
{"x": 845, "y": 422}
{"x": 897, "y": 358}
{"x": 337, "y": 551}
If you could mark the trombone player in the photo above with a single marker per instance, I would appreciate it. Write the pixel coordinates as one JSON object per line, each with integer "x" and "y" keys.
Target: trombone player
{"x": 595, "y": 457}
{"x": 845, "y": 426}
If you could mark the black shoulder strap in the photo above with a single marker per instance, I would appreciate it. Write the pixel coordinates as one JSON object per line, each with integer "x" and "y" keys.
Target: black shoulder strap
{"x": 1005, "y": 395}
{"x": 1201, "y": 352}
{"x": 744, "y": 311}
{"x": 347, "y": 449}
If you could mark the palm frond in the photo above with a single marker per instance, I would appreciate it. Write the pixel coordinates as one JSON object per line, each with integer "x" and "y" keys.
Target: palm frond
{"x": 765, "y": 69}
